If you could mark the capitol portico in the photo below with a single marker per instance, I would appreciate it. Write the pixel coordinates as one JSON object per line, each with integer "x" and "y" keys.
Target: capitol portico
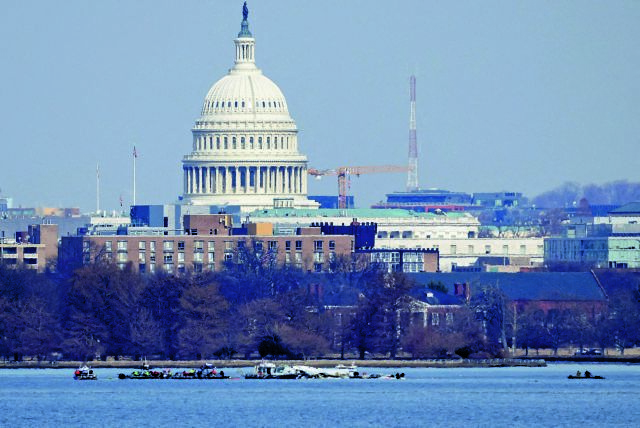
{"x": 245, "y": 143}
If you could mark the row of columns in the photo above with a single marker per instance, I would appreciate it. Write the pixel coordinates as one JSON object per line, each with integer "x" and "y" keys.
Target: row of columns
{"x": 245, "y": 180}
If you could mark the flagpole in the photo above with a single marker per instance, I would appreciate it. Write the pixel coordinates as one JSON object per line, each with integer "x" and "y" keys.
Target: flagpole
{"x": 135, "y": 156}
{"x": 97, "y": 188}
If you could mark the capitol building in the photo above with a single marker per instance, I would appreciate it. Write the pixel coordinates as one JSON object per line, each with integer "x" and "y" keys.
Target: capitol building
{"x": 245, "y": 143}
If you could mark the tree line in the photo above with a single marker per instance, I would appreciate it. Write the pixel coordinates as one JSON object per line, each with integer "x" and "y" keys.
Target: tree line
{"x": 253, "y": 308}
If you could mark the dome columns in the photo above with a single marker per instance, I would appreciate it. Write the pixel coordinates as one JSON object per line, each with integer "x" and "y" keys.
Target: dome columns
{"x": 245, "y": 179}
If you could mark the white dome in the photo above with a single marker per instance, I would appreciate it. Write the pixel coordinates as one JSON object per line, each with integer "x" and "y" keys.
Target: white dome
{"x": 245, "y": 143}
{"x": 245, "y": 94}
{"x": 245, "y": 91}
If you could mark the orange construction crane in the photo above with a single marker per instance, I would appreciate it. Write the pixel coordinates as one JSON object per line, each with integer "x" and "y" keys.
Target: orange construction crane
{"x": 344, "y": 174}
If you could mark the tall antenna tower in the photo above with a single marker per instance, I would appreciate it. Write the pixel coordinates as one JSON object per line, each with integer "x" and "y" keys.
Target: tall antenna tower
{"x": 412, "y": 176}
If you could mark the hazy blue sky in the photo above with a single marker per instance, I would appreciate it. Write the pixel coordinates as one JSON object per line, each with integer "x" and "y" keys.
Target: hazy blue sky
{"x": 512, "y": 95}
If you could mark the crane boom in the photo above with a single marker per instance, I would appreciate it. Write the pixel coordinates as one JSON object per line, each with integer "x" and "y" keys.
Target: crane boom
{"x": 344, "y": 173}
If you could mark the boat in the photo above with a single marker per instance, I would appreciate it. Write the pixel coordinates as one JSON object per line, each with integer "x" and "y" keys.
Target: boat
{"x": 269, "y": 370}
{"x": 587, "y": 375}
{"x": 84, "y": 373}
{"x": 146, "y": 373}
{"x": 207, "y": 371}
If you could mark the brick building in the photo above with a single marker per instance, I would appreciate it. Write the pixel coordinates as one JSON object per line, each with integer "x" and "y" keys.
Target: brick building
{"x": 205, "y": 244}
{"x": 31, "y": 248}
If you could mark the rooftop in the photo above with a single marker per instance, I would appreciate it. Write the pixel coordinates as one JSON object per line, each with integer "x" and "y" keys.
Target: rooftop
{"x": 630, "y": 208}
{"x": 547, "y": 286}
{"x": 360, "y": 213}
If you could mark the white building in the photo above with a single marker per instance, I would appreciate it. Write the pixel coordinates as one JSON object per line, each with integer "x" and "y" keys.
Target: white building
{"x": 394, "y": 224}
{"x": 245, "y": 143}
{"x": 454, "y": 234}
{"x": 458, "y": 253}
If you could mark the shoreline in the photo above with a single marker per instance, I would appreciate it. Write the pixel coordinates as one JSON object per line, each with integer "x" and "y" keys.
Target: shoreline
{"x": 161, "y": 364}
{"x": 433, "y": 363}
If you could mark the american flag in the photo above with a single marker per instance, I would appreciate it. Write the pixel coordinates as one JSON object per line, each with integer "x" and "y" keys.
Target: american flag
{"x": 135, "y": 152}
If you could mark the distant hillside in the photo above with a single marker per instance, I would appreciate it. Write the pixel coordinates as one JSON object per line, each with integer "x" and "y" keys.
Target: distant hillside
{"x": 613, "y": 193}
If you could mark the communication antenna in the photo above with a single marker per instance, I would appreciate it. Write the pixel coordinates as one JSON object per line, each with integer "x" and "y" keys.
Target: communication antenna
{"x": 412, "y": 175}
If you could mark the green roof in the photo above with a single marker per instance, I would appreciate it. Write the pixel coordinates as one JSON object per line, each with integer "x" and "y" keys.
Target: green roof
{"x": 348, "y": 213}
{"x": 630, "y": 208}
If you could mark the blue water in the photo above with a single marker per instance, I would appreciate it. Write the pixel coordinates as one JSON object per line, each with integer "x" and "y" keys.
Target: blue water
{"x": 495, "y": 397}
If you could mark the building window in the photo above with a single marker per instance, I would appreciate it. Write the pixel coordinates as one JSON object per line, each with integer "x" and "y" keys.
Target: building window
{"x": 454, "y": 249}
{"x": 211, "y": 245}
{"x": 168, "y": 268}
{"x": 449, "y": 318}
{"x": 141, "y": 256}
{"x": 180, "y": 245}
{"x": 152, "y": 245}
{"x": 180, "y": 257}
{"x": 435, "y": 319}
{"x": 298, "y": 245}
{"x": 198, "y": 246}
{"x": 168, "y": 258}
{"x": 317, "y": 245}
{"x": 287, "y": 245}
{"x": 198, "y": 257}
{"x": 317, "y": 267}
{"x": 167, "y": 246}
{"x": 332, "y": 245}
{"x": 142, "y": 245}
{"x": 108, "y": 246}
{"x": 273, "y": 246}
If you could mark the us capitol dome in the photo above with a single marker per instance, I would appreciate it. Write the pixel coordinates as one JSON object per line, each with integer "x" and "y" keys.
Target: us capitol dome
{"x": 245, "y": 143}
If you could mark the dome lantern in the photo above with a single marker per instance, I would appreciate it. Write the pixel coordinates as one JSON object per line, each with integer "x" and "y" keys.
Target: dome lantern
{"x": 245, "y": 43}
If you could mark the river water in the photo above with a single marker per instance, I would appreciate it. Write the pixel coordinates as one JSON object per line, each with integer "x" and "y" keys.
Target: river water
{"x": 491, "y": 397}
